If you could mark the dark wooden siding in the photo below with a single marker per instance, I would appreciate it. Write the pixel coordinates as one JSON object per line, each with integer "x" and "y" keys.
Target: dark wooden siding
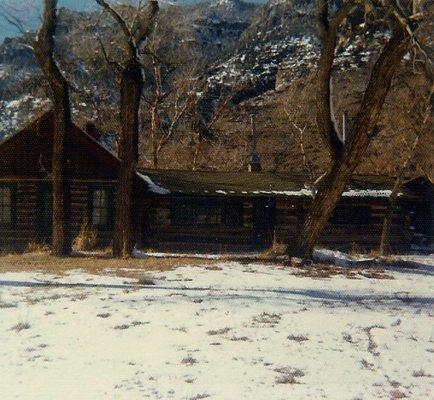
{"x": 162, "y": 235}
{"x": 290, "y": 213}
{"x": 24, "y": 230}
{"x": 155, "y": 230}
{"x": 23, "y": 227}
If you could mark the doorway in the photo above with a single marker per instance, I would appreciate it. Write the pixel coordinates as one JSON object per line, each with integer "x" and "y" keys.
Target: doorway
{"x": 264, "y": 220}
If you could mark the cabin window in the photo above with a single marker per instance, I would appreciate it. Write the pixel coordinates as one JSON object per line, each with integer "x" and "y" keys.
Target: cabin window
{"x": 207, "y": 212}
{"x": 6, "y": 210}
{"x": 196, "y": 212}
{"x": 100, "y": 207}
{"x": 349, "y": 215}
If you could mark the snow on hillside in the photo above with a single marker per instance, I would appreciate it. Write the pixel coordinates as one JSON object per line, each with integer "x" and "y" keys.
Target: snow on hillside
{"x": 15, "y": 113}
{"x": 295, "y": 55}
{"x": 220, "y": 331}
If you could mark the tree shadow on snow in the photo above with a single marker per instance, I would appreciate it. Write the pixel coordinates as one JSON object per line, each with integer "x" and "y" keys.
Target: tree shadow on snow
{"x": 256, "y": 294}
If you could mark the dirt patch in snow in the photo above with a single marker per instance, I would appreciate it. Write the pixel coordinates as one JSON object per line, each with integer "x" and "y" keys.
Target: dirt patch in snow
{"x": 95, "y": 263}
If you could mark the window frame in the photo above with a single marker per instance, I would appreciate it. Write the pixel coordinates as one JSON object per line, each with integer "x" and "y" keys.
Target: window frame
{"x": 13, "y": 204}
{"x": 194, "y": 204}
{"x": 110, "y": 205}
{"x": 197, "y": 203}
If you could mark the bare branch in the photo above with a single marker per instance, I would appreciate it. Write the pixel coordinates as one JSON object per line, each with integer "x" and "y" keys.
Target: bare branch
{"x": 122, "y": 24}
{"x": 106, "y": 57}
{"x": 144, "y": 27}
{"x": 14, "y": 21}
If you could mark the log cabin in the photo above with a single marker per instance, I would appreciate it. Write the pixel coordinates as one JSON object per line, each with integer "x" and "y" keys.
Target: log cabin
{"x": 26, "y": 192}
{"x": 190, "y": 210}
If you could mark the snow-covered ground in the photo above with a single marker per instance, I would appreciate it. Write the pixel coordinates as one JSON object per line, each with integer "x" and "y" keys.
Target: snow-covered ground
{"x": 220, "y": 331}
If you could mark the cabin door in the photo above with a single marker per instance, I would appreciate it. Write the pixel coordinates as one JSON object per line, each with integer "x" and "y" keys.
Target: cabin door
{"x": 45, "y": 212}
{"x": 264, "y": 216}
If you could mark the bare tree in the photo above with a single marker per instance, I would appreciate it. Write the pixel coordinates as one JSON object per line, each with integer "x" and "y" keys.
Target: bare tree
{"x": 401, "y": 178}
{"x": 170, "y": 101}
{"x": 346, "y": 157}
{"x": 299, "y": 134}
{"x": 44, "y": 51}
{"x": 131, "y": 86}
{"x": 203, "y": 127}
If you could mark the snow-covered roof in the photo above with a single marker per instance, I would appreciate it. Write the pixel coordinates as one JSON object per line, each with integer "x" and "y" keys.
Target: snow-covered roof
{"x": 263, "y": 184}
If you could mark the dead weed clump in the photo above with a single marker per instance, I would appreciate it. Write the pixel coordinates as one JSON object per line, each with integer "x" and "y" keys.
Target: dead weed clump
{"x": 274, "y": 251}
{"x": 21, "y": 326}
{"x": 121, "y": 327}
{"x": 298, "y": 338}
{"x": 188, "y": 361}
{"x": 221, "y": 331}
{"x": 421, "y": 374}
{"x": 145, "y": 280}
{"x": 397, "y": 394}
{"x": 200, "y": 396}
{"x": 7, "y": 305}
{"x": 87, "y": 238}
{"x": 267, "y": 319}
{"x": 103, "y": 315}
{"x": 288, "y": 376}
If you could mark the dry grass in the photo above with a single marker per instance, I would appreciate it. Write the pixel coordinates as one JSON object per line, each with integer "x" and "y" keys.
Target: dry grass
{"x": 96, "y": 263}
{"x": 276, "y": 250}
{"x": 328, "y": 271}
{"x": 35, "y": 247}
{"x": 87, "y": 238}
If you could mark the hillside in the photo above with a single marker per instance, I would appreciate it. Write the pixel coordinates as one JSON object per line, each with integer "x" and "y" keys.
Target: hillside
{"x": 261, "y": 59}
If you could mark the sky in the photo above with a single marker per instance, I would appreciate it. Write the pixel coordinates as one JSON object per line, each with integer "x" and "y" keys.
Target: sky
{"x": 29, "y": 12}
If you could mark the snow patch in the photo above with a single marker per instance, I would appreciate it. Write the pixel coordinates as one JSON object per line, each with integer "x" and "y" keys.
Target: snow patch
{"x": 152, "y": 186}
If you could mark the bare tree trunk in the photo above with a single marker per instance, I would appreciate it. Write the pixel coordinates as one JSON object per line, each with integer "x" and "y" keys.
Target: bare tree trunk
{"x": 334, "y": 184}
{"x": 131, "y": 90}
{"x": 131, "y": 85}
{"x": 388, "y": 219}
{"x": 44, "y": 51}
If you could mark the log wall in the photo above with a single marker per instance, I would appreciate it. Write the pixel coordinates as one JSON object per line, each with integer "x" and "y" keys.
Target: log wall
{"x": 162, "y": 235}
{"x": 155, "y": 230}
{"x": 25, "y": 227}
{"x": 290, "y": 214}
